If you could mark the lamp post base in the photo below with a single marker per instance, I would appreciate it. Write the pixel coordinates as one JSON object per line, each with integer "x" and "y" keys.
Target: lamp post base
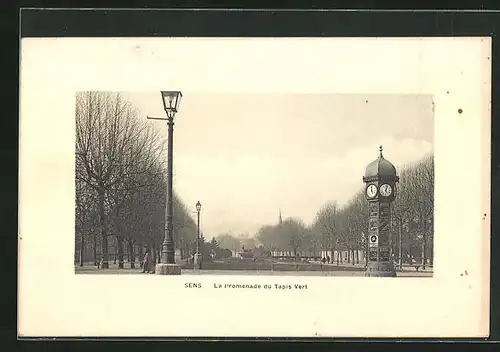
{"x": 168, "y": 269}
{"x": 197, "y": 261}
{"x": 380, "y": 269}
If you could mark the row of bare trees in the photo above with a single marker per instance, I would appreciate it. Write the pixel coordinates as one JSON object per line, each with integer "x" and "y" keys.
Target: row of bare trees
{"x": 344, "y": 228}
{"x": 120, "y": 182}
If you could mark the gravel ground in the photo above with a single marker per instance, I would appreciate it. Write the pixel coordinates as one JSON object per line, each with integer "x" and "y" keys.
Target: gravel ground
{"x": 114, "y": 270}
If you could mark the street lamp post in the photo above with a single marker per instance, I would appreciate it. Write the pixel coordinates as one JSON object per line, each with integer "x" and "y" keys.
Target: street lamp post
{"x": 167, "y": 266}
{"x": 197, "y": 256}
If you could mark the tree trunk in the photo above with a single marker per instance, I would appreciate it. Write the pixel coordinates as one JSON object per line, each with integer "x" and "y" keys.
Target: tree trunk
{"x": 424, "y": 242}
{"x": 153, "y": 252}
{"x": 105, "y": 261}
{"x": 357, "y": 256}
{"x": 391, "y": 245}
{"x": 184, "y": 250}
{"x": 114, "y": 247}
{"x": 104, "y": 234}
{"x": 82, "y": 241}
{"x": 131, "y": 254}
{"x": 423, "y": 254}
{"x": 400, "y": 245}
{"x": 181, "y": 248}
{"x": 423, "y": 250}
{"x": 94, "y": 237}
{"x": 119, "y": 240}
{"x": 431, "y": 247}
{"x": 141, "y": 258}
{"x": 366, "y": 253}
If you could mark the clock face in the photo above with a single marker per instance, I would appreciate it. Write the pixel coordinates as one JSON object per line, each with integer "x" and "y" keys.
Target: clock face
{"x": 371, "y": 191}
{"x": 385, "y": 190}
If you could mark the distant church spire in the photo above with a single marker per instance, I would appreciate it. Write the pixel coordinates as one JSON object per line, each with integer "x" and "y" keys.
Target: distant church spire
{"x": 280, "y": 219}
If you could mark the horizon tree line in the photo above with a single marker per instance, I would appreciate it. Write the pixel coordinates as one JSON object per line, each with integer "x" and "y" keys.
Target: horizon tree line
{"x": 343, "y": 229}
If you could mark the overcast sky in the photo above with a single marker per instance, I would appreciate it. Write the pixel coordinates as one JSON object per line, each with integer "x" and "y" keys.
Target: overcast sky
{"x": 245, "y": 156}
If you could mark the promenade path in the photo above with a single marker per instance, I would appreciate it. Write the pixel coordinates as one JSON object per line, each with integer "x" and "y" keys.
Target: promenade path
{"x": 113, "y": 270}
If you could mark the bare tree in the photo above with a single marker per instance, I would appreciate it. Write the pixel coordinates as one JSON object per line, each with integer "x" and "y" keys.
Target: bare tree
{"x": 328, "y": 223}
{"x": 85, "y": 215}
{"x": 105, "y": 127}
{"x": 269, "y": 237}
{"x": 294, "y": 232}
{"x": 401, "y": 210}
{"x": 117, "y": 154}
{"x": 421, "y": 198}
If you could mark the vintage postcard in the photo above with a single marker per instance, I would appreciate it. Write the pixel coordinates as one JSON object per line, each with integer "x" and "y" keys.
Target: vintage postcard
{"x": 340, "y": 186}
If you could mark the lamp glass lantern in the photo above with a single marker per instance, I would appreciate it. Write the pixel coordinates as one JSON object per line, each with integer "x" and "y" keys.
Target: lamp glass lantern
{"x": 171, "y": 100}
{"x": 198, "y": 206}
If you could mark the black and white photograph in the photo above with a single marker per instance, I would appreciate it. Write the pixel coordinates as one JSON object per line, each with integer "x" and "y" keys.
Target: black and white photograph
{"x": 257, "y": 184}
{"x": 338, "y": 187}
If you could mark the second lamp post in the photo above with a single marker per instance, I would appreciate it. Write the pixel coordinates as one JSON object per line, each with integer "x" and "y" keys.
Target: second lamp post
{"x": 198, "y": 256}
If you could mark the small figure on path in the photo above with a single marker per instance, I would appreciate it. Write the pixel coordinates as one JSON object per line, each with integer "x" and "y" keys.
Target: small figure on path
{"x": 328, "y": 259}
{"x": 323, "y": 260}
{"x": 148, "y": 263}
{"x": 415, "y": 264}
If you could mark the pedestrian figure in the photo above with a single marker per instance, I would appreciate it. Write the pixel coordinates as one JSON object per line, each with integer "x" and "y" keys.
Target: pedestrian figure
{"x": 328, "y": 258}
{"x": 323, "y": 260}
{"x": 98, "y": 264}
{"x": 148, "y": 263}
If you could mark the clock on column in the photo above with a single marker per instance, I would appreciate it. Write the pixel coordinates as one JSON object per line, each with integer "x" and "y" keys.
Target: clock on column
{"x": 385, "y": 190}
{"x": 371, "y": 191}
